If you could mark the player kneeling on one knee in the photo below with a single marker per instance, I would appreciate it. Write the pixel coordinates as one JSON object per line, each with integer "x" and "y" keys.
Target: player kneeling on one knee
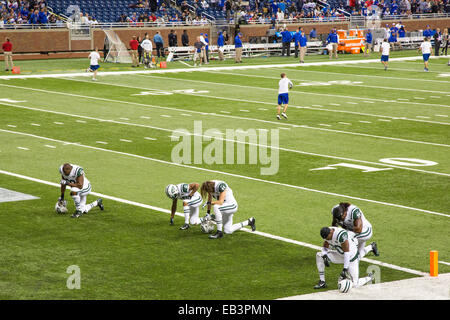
{"x": 341, "y": 248}
{"x": 191, "y": 199}
{"x": 220, "y": 196}
{"x": 74, "y": 177}
{"x": 351, "y": 218}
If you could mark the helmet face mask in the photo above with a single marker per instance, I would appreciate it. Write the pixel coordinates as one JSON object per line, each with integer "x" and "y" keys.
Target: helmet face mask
{"x": 171, "y": 191}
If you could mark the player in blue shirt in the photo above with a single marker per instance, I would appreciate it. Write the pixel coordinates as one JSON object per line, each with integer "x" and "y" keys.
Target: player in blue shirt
{"x": 303, "y": 44}
{"x": 286, "y": 39}
{"x": 333, "y": 40}
{"x": 297, "y": 41}
{"x": 368, "y": 43}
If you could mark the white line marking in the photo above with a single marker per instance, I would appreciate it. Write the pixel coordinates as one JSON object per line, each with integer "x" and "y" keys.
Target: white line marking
{"x": 317, "y": 105}
{"x": 35, "y": 124}
{"x": 362, "y": 121}
{"x": 148, "y": 138}
{"x": 220, "y": 98}
{"x": 346, "y": 123}
{"x": 229, "y": 174}
{"x": 144, "y": 117}
{"x": 284, "y": 128}
{"x": 50, "y": 146}
{"x": 11, "y": 126}
{"x": 227, "y": 116}
{"x": 263, "y": 234}
{"x": 166, "y": 116}
{"x": 446, "y": 263}
{"x": 22, "y": 148}
{"x": 227, "y": 112}
{"x": 262, "y": 109}
{"x": 125, "y": 140}
{"x": 124, "y": 119}
{"x": 402, "y": 99}
{"x": 58, "y": 123}
{"x": 349, "y": 102}
{"x": 442, "y": 115}
{"x": 435, "y": 97}
{"x": 186, "y": 114}
{"x": 325, "y": 125}
{"x": 80, "y": 121}
{"x": 243, "y": 110}
{"x": 101, "y": 142}
{"x": 335, "y": 104}
{"x": 385, "y": 120}
{"x": 423, "y": 117}
{"x": 368, "y": 101}
{"x": 419, "y": 98}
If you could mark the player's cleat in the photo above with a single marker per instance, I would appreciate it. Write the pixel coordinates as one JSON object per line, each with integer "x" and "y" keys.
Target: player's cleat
{"x": 100, "y": 204}
{"x": 252, "y": 223}
{"x": 385, "y": 68}
{"x": 284, "y": 115}
{"x": 321, "y": 285}
{"x": 217, "y": 235}
{"x": 77, "y": 214}
{"x": 184, "y": 227}
{"x": 171, "y": 221}
{"x": 425, "y": 69}
{"x": 278, "y": 117}
{"x": 94, "y": 79}
{"x": 375, "y": 249}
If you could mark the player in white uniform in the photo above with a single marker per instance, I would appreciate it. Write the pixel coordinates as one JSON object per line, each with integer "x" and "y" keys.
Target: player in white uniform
{"x": 94, "y": 56}
{"x": 74, "y": 177}
{"x": 224, "y": 206}
{"x": 350, "y": 217}
{"x": 191, "y": 199}
{"x": 339, "y": 247}
{"x": 148, "y": 49}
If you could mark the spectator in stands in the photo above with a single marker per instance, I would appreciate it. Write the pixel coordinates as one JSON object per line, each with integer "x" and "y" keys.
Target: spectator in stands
{"x": 228, "y": 6}
{"x": 238, "y": 48}
{"x": 437, "y": 37}
{"x": 134, "y": 45}
{"x": 220, "y": 44}
{"x": 159, "y": 42}
{"x": 333, "y": 40}
{"x": 313, "y": 34}
{"x": 173, "y": 39}
{"x": 445, "y": 40}
{"x": 7, "y": 53}
{"x": 368, "y": 43}
{"x": 185, "y": 38}
{"x": 280, "y": 15}
{"x": 286, "y": 38}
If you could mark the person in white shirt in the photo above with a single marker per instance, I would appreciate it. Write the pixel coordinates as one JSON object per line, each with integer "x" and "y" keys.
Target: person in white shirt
{"x": 148, "y": 49}
{"x": 203, "y": 55}
{"x": 283, "y": 95}
{"x": 94, "y": 56}
{"x": 425, "y": 47}
{"x": 385, "y": 49}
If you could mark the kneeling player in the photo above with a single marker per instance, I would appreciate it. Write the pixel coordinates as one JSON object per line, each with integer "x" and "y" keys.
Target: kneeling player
{"x": 350, "y": 217}
{"x": 340, "y": 248}
{"x": 224, "y": 206}
{"x": 191, "y": 202}
{"x": 74, "y": 177}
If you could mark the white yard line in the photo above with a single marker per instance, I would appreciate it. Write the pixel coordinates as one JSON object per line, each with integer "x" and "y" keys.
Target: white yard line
{"x": 148, "y": 138}
{"x": 265, "y": 121}
{"x": 80, "y": 121}
{"x": 22, "y": 148}
{"x": 11, "y": 126}
{"x": 240, "y": 67}
{"x": 263, "y": 234}
{"x": 101, "y": 142}
{"x": 35, "y": 124}
{"x": 50, "y": 146}
{"x": 228, "y": 174}
{"x": 126, "y": 140}
{"x": 446, "y": 263}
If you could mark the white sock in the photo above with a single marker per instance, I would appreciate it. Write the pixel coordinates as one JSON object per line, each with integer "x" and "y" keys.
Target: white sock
{"x": 90, "y": 206}
{"x": 320, "y": 266}
{"x": 186, "y": 214}
{"x": 219, "y": 220}
{"x": 76, "y": 200}
{"x": 363, "y": 281}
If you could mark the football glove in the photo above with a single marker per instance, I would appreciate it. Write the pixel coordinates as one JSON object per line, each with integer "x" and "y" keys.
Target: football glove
{"x": 326, "y": 260}
{"x": 61, "y": 202}
{"x": 64, "y": 182}
{"x": 345, "y": 274}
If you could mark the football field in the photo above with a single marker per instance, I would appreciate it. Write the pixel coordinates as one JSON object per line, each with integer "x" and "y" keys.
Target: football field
{"x": 355, "y": 133}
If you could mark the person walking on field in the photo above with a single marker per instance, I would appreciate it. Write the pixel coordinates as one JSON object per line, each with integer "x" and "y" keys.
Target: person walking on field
{"x": 332, "y": 40}
{"x": 283, "y": 95}
{"x": 7, "y": 51}
{"x": 134, "y": 46}
{"x": 238, "y": 48}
